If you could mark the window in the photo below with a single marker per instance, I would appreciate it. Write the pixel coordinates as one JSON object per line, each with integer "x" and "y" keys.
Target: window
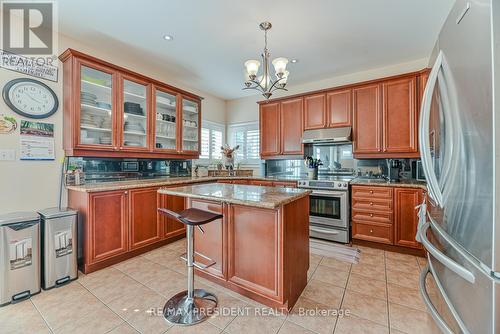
{"x": 247, "y": 136}
{"x": 212, "y": 137}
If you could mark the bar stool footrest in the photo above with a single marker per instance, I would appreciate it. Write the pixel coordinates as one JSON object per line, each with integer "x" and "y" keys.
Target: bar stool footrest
{"x": 198, "y": 264}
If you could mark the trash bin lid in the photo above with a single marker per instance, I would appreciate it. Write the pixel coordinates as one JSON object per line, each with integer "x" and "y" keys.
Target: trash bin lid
{"x": 50, "y": 213}
{"x": 18, "y": 217}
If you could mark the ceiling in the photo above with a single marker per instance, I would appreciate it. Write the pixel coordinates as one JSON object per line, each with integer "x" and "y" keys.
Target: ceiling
{"x": 212, "y": 39}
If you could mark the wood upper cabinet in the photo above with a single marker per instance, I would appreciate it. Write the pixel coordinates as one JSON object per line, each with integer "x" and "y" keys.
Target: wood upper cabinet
{"x": 270, "y": 129}
{"x": 315, "y": 116}
{"x": 144, "y": 225}
{"x": 400, "y": 115}
{"x": 212, "y": 242}
{"x": 110, "y": 111}
{"x": 405, "y": 216}
{"x": 291, "y": 126}
{"x": 339, "y": 107}
{"x": 367, "y": 119}
{"x": 107, "y": 225}
{"x": 422, "y": 82}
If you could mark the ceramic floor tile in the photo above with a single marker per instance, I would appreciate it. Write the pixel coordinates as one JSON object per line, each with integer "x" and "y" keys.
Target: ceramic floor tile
{"x": 169, "y": 284}
{"x": 409, "y": 280}
{"x": 141, "y": 299}
{"x": 399, "y": 256}
{"x": 100, "y": 320}
{"x": 113, "y": 290}
{"x": 22, "y": 318}
{"x": 369, "y": 250}
{"x": 372, "y": 259}
{"x": 354, "y": 325}
{"x": 65, "y": 304}
{"x": 366, "y": 307}
{"x": 331, "y": 275}
{"x": 291, "y": 328}
{"x": 314, "y": 258}
{"x": 141, "y": 269}
{"x": 337, "y": 264}
{"x": 367, "y": 286}
{"x": 405, "y": 296}
{"x": 124, "y": 329}
{"x": 256, "y": 322}
{"x": 323, "y": 293}
{"x": 100, "y": 277}
{"x": 204, "y": 327}
{"x": 313, "y": 316}
{"x": 228, "y": 307}
{"x": 149, "y": 318}
{"x": 411, "y": 321}
{"x": 409, "y": 266}
{"x": 312, "y": 269}
{"x": 422, "y": 262}
{"x": 376, "y": 272}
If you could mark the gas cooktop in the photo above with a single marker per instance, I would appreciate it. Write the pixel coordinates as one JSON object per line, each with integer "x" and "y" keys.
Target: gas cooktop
{"x": 328, "y": 182}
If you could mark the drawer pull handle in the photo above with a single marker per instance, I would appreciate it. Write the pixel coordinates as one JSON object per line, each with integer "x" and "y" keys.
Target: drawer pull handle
{"x": 371, "y": 203}
{"x": 371, "y": 214}
{"x": 371, "y": 231}
{"x": 371, "y": 191}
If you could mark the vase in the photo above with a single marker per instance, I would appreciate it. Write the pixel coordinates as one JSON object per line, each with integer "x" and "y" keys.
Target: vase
{"x": 312, "y": 173}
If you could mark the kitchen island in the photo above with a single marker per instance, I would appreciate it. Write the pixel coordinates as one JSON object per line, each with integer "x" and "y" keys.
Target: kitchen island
{"x": 260, "y": 246}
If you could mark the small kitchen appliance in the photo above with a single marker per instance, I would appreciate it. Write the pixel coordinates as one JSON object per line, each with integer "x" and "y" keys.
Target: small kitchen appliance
{"x": 394, "y": 170}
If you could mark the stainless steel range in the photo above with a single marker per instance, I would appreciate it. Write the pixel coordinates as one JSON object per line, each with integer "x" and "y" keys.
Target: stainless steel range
{"x": 329, "y": 207}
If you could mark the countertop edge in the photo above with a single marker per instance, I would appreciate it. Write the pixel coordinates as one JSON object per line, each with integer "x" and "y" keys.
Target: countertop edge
{"x": 402, "y": 184}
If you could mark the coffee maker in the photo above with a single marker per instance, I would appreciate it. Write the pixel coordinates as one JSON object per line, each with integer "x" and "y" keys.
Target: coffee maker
{"x": 394, "y": 170}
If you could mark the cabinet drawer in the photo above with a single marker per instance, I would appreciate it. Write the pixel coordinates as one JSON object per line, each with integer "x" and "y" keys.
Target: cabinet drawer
{"x": 283, "y": 184}
{"x": 372, "y": 192}
{"x": 373, "y": 204}
{"x": 376, "y": 232}
{"x": 261, "y": 183}
{"x": 377, "y": 217}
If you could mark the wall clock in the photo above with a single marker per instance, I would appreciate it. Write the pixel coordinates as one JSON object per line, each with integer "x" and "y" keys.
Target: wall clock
{"x": 30, "y": 98}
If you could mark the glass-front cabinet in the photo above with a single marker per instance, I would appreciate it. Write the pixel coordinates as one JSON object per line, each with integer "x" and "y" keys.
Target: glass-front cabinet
{"x": 135, "y": 113}
{"x": 165, "y": 124}
{"x": 110, "y": 111}
{"x": 190, "y": 125}
{"x": 97, "y": 116}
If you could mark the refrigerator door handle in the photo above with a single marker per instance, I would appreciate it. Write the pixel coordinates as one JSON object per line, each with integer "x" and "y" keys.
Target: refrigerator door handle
{"x": 445, "y": 260}
{"x": 424, "y": 143}
{"x": 432, "y": 309}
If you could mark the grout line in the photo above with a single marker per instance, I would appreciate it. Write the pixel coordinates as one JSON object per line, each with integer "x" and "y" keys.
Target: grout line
{"x": 342, "y": 300}
{"x": 41, "y": 315}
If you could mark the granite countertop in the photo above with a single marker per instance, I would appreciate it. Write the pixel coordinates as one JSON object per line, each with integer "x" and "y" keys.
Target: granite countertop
{"x": 165, "y": 181}
{"x": 256, "y": 196}
{"x": 385, "y": 183}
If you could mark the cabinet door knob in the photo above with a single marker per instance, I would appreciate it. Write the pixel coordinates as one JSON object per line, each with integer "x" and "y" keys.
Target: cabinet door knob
{"x": 371, "y": 231}
{"x": 126, "y": 192}
{"x": 371, "y": 203}
{"x": 371, "y": 191}
{"x": 371, "y": 214}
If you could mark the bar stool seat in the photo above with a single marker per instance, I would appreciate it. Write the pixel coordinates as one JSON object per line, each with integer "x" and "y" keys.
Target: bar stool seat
{"x": 191, "y": 306}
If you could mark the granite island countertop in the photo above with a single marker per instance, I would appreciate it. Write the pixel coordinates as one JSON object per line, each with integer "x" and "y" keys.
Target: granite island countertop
{"x": 385, "y": 183}
{"x": 249, "y": 195}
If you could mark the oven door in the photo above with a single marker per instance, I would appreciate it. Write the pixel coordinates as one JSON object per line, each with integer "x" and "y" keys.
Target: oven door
{"x": 328, "y": 208}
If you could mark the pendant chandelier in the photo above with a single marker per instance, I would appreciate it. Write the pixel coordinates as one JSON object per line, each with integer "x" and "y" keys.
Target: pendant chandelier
{"x": 265, "y": 83}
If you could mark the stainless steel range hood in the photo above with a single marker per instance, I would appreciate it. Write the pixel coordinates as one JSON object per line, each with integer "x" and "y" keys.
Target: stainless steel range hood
{"x": 327, "y": 136}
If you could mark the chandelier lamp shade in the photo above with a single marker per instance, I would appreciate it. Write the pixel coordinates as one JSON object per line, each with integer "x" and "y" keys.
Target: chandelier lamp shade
{"x": 266, "y": 83}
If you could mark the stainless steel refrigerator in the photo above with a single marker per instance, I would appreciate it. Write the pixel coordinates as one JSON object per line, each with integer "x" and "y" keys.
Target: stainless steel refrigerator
{"x": 459, "y": 135}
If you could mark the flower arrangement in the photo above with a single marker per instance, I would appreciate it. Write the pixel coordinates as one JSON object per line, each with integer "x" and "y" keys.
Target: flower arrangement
{"x": 312, "y": 164}
{"x": 228, "y": 155}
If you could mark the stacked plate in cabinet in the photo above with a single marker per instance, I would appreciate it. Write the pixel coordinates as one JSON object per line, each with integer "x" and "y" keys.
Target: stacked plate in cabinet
{"x": 133, "y": 108}
{"x": 89, "y": 98}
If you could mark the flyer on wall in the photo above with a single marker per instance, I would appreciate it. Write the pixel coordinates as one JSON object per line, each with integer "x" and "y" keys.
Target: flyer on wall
{"x": 37, "y": 141}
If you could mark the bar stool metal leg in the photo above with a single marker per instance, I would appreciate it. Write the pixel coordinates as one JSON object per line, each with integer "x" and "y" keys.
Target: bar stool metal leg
{"x": 193, "y": 305}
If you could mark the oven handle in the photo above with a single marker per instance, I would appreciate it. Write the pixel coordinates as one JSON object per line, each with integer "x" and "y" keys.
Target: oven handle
{"x": 321, "y": 230}
{"x": 328, "y": 193}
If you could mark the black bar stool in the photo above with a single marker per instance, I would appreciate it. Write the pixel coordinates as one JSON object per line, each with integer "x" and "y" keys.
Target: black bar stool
{"x": 191, "y": 306}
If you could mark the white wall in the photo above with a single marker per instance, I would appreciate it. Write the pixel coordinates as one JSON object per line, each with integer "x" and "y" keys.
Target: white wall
{"x": 246, "y": 109}
{"x": 32, "y": 185}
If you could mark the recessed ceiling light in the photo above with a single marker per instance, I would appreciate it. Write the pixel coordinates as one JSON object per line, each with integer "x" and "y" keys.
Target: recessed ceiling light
{"x": 294, "y": 61}
{"x": 168, "y": 37}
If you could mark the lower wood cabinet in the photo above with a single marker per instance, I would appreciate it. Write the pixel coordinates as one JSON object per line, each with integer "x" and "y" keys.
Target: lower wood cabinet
{"x": 145, "y": 228}
{"x": 386, "y": 214}
{"x": 116, "y": 225}
{"x": 405, "y": 216}
{"x": 108, "y": 228}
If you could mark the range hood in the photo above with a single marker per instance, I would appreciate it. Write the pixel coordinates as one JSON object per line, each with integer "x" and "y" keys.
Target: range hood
{"x": 327, "y": 136}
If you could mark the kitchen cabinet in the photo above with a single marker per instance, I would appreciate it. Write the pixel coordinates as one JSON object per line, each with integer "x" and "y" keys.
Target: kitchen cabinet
{"x": 107, "y": 225}
{"x": 367, "y": 122}
{"x": 315, "y": 116}
{"x": 285, "y": 184}
{"x": 400, "y": 116}
{"x": 339, "y": 107}
{"x": 110, "y": 111}
{"x": 291, "y": 127}
{"x": 171, "y": 227}
{"x": 212, "y": 242}
{"x": 144, "y": 225}
{"x": 270, "y": 129}
{"x": 262, "y": 183}
{"x": 405, "y": 216}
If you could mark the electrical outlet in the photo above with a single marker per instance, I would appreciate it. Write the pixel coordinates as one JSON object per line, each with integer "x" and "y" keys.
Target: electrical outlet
{"x": 7, "y": 155}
